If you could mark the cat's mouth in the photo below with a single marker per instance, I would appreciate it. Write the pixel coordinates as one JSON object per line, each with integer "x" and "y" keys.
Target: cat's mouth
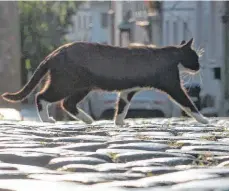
{"x": 188, "y": 70}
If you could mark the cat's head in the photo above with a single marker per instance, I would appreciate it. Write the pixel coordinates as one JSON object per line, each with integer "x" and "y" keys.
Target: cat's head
{"x": 189, "y": 58}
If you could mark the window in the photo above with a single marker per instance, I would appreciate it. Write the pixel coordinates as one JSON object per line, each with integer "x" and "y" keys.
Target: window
{"x": 104, "y": 20}
{"x": 217, "y": 73}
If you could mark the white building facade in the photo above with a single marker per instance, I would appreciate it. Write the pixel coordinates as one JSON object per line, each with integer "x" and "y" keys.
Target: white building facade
{"x": 138, "y": 13}
{"x": 179, "y": 20}
{"x": 100, "y": 21}
{"x": 201, "y": 20}
{"x": 82, "y": 23}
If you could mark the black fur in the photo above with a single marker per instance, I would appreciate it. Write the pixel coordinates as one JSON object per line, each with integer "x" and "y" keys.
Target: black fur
{"x": 39, "y": 106}
{"x": 69, "y": 103}
{"x": 121, "y": 105}
{"x": 131, "y": 95}
{"x": 76, "y": 69}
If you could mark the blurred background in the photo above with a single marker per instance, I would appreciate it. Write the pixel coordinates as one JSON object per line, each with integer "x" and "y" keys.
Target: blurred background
{"x": 30, "y": 30}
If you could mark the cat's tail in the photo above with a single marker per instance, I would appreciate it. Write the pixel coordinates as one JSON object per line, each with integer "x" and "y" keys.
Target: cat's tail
{"x": 38, "y": 75}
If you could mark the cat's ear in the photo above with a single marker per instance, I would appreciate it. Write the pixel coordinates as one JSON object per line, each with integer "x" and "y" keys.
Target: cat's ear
{"x": 182, "y": 42}
{"x": 189, "y": 43}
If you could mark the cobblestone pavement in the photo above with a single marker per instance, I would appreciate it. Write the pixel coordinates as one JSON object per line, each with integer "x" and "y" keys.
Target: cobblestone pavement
{"x": 152, "y": 154}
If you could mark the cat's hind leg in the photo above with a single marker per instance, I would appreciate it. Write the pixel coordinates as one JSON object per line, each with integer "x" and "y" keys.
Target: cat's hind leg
{"x": 42, "y": 107}
{"x": 181, "y": 98}
{"x": 43, "y": 102}
{"x": 50, "y": 94}
{"x": 70, "y": 103}
{"x": 122, "y": 106}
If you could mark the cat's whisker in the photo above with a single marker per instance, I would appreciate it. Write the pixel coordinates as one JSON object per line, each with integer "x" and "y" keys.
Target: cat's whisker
{"x": 189, "y": 87}
{"x": 185, "y": 73}
{"x": 200, "y": 52}
{"x": 182, "y": 72}
{"x": 187, "y": 81}
{"x": 185, "y": 76}
{"x": 200, "y": 78}
{"x": 191, "y": 78}
{"x": 188, "y": 75}
{"x": 201, "y": 81}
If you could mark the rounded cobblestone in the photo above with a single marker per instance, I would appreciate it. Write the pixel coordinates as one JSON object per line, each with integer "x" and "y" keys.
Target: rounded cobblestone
{"x": 143, "y": 155}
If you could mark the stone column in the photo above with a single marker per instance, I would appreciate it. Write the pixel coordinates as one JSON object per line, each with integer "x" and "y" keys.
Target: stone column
{"x": 10, "y": 73}
{"x": 156, "y": 30}
{"x": 225, "y": 74}
{"x": 118, "y": 19}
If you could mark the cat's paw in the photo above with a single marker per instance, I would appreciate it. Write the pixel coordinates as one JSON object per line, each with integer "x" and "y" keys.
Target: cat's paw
{"x": 84, "y": 117}
{"x": 119, "y": 122}
{"x": 204, "y": 120}
{"x": 88, "y": 120}
{"x": 51, "y": 120}
{"x": 200, "y": 118}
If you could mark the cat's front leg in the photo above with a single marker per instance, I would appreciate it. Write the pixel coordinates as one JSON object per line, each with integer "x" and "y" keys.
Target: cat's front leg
{"x": 122, "y": 106}
{"x": 70, "y": 106}
{"x": 182, "y": 99}
{"x": 199, "y": 117}
{"x": 42, "y": 107}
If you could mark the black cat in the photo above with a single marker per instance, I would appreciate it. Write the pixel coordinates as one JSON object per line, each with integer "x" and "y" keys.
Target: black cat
{"x": 75, "y": 69}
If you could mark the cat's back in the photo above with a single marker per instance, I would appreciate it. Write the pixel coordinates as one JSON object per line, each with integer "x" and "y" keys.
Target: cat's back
{"x": 90, "y": 49}
{"x": 107, "y": 60}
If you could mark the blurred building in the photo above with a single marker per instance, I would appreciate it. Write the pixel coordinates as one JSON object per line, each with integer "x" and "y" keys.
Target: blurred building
{"x": 136, "y": 21}
{"x": 225, "y": 67}
{"x": 82, "y": 23}
{"x": 100, "y": 21}
{"x": 90, "y": 24}
{"x": 117, "y": 22}
{"x": 147, "y": 22}
{"x": 201, "y": 20}
{"x": 170, "y": 22}
{"x": 10, "y": 69}
{"x": 166, "y": 23}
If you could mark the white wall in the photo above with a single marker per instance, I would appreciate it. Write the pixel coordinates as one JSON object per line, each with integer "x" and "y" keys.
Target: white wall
{"x": 118, "y": 19}
{"x": 99, "y": 34}
{"x": 81, "y": 29}
{"x": 203, "y": 20}
{"x": 180, "y": 14}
